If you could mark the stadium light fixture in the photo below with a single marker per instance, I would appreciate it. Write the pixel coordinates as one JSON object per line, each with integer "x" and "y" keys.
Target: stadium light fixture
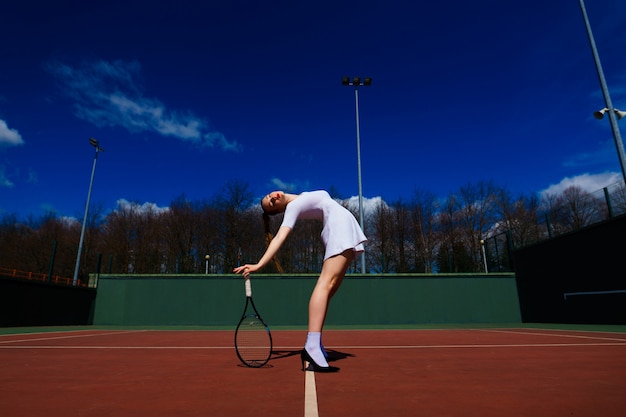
{"x": 93, "y": 142}
{"x": 600, "y": 113}
{"x": 356, "y": 82}
{"x": 605, "y": 92}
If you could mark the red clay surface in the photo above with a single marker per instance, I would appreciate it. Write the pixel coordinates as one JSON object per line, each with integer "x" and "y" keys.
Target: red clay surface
{"x": 483, "y": 373}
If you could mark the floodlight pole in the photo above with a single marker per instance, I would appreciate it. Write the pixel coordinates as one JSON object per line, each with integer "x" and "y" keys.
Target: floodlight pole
{"x": 482, "y": 246}
{"x": 605, "y": 91}
{"x": 96, "y": 145}
{"x": 356, "y": 82}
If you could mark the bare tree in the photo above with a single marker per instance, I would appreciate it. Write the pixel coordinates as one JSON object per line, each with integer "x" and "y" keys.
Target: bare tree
{"x": 582, "y": 206}
{"x": 519, "y": 217}
{"x": 571, "y": 210}
{"x": 424, "y": 210}
{"x": 303, "y": 251}
{"x": 11, "y": 241}
{"x": 235, "y": 199}
{"x": 382, "y": 244}
{"x": 451, "y": 256}
{"x": 58, "y": 240}
{"x": 118, "y": 236}
{"x": 180, "y": 237}
{"x": 465, "y": 220}
{"x": 401, "y": 237}
{"x": 424, "y": 235}
{"x": 207, "y": 225}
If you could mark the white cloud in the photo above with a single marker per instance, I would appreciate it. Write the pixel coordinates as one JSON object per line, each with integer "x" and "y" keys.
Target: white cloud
{"x": 370, "y": 205}
{"x": 69, "y": 221}
{"x": 586, "y": 182}
{"x": 9, "y": 137}
{"x": 110, "y": 94}
{"x": 124, "y": 205}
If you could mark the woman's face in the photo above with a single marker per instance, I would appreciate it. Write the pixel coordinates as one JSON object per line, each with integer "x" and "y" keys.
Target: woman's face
{"x": 274, "y": 202}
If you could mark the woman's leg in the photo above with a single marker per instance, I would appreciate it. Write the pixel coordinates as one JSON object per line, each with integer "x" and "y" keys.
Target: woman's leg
{"x": 331, "y": 277}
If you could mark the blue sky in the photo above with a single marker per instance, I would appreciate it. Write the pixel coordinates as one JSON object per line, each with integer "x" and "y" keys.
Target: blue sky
{"x": 186, "y": 96}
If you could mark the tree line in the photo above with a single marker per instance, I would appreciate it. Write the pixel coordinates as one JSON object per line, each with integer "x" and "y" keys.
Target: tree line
{"x": 471, "y": 230}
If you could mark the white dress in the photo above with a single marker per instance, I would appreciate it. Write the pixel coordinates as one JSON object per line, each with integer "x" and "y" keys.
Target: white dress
{"x": 341, "y": 231}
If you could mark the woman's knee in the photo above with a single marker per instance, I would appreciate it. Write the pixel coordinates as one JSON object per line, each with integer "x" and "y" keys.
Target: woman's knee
{"x": 329, "y": 282}
{"x": 334, "y": 270}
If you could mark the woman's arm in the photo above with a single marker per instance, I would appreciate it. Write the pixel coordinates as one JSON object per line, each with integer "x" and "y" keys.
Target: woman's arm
{"x": 270, "y": 252}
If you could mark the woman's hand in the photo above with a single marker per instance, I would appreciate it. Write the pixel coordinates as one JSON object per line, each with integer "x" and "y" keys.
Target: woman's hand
{"x": 271, "y": 250}
{"x": 246, "y": 269}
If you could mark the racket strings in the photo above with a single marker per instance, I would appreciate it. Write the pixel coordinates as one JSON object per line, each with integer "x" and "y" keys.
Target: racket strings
{"x": 253, "y": 341}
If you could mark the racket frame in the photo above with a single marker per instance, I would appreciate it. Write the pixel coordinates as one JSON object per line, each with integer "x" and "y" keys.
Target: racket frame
{"x": 253, "y": 313}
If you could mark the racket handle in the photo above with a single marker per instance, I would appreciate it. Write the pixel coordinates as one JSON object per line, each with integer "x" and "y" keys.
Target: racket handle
{"x": 248, "y": 287}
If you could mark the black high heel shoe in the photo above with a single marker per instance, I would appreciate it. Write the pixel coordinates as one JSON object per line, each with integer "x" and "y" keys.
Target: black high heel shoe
{"x": 313, "y": 366}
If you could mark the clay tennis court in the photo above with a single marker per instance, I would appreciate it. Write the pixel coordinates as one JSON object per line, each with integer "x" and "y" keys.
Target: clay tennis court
{"x": 452, "y": 372}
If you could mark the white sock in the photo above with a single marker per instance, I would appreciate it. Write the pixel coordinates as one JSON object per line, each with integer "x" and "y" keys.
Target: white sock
{"x": 314, "y": 348}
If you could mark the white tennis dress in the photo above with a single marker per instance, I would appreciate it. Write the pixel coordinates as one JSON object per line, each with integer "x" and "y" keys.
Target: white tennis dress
{"x": 341, "y": 231}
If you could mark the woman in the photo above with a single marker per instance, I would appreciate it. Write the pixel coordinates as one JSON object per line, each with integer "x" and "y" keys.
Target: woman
{"x": 343, "y": 239}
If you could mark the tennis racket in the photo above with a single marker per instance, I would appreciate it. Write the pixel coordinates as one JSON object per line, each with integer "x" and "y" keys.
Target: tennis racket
{"x": 253, "y": 340}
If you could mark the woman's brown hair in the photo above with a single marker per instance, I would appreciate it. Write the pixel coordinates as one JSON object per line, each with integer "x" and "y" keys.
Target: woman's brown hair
{"x": 268, "y": 239}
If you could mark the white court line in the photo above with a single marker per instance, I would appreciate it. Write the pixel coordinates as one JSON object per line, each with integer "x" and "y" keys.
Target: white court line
{"x": 390, "y": 347}
{"x": 550, "y": 333}
{"x": 623, "y": 343}
{"x": 70, "y": 336}
{"x": 115, "y": 347}
{"x": 336, "y": 347}
{"x": 310, "y": 394}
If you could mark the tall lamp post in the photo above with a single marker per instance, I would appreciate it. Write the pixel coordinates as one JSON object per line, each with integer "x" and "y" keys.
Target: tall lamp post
{"x": 356, "y": 82}
{"x": 607, "y": 98}
{"x": 96, "y": 145}
{"x": 482, "y": 246}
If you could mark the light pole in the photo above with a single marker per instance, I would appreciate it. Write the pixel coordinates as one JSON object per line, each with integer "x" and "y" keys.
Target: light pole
{"x": 482, "y": 245}
{"x": 207, "y": 257}
{"x": 617, "y": 137}
{"x": 96, "y": 145}
{"x": 607, "y": 98}
{"x": 356, "y": 82}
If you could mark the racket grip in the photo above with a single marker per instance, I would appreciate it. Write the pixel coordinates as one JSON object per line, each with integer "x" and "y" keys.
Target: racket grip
{"x": 248, "y": 287}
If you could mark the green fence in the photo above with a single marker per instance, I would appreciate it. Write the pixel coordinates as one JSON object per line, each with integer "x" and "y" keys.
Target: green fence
{"x": 283, "y": 300}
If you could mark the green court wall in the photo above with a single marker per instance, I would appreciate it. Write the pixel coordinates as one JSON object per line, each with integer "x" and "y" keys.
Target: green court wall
{"x": 161, "y": 300}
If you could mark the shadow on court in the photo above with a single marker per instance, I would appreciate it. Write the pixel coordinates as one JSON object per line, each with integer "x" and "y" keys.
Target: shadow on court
{"x": 333, "y": 355}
